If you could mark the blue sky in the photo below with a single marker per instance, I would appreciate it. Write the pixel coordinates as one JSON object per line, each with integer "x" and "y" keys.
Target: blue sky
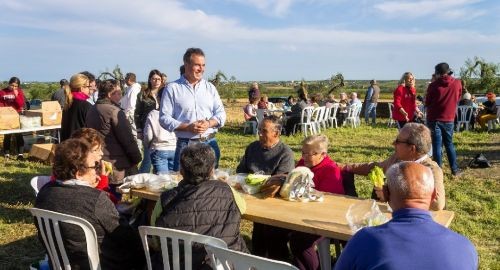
{"x": 253, "y": 40}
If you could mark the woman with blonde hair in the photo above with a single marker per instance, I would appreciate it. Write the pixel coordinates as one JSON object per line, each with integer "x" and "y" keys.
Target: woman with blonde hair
{"x": 405, "y": 100}
{"x": 76, "y": 108}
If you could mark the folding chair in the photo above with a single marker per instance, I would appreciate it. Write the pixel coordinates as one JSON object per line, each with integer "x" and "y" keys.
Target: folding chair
{"x": 188, "y": 238}
{"x": 230, "y": 259}
{"x": 49, "y": 228}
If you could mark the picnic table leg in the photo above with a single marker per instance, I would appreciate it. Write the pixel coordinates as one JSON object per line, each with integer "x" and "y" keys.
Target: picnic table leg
{"x": 325, "y": 259}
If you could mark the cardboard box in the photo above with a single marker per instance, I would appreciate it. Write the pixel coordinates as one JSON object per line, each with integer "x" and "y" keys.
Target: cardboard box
{"x": 50, "y": 112}
{"x": 9, "y": 118}
{"x": 43, "y": 152}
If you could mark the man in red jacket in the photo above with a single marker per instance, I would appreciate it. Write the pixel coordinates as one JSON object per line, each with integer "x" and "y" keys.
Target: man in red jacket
{"x": 441, "y": 101}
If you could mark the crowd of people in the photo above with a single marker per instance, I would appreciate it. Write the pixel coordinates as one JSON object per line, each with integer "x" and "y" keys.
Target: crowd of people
{"x": 174, "y": 126}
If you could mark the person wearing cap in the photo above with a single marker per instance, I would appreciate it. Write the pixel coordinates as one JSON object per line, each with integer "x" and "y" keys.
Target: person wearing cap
{"x": 60, "y": 95}
{"x": 371, "y": 99}
{"x": 191, "y": 107}
{"x": 441, "y": 104}
{"x": 489, "y": 111}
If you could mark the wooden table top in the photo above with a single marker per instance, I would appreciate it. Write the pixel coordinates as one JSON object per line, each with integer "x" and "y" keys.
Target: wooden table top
{"x": 325, "y": 218}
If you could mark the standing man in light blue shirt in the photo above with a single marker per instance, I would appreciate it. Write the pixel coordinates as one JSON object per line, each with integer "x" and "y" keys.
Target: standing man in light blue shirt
{"x": 191, "y": 107}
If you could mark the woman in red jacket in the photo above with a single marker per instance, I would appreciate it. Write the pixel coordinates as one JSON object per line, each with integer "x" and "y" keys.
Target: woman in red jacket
{"x": 13, "y": 96}
{"x": 405, "y": 101}
{"x": 327, "y": 178}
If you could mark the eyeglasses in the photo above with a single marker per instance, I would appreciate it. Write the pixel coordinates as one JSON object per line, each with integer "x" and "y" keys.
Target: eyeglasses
{"x": 397, "y": 141}
{"x": 156, "y": 79}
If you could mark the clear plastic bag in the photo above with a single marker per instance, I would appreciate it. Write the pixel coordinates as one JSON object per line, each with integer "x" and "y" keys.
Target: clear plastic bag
{"x": 299, "y": 186}
{"x": 364, "y": 213}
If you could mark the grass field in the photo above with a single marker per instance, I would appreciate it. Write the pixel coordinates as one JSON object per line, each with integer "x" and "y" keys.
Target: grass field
{"x": 475, "y": 197}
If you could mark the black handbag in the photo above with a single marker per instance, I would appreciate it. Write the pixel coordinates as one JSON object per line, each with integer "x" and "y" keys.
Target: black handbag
{"x": 479, "y": 161}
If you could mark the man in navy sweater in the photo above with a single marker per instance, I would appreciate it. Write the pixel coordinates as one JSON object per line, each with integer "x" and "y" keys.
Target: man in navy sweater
{"x": 411, "y": 240}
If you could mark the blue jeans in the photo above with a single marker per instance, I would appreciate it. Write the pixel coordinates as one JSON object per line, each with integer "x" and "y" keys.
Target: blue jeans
{"x": 442, "y": 134}
{"x": 146, "y": 161}
{"x": 182, "y": 143}
{"x": 162, "y": 160}
{"x": 370, "y": 112}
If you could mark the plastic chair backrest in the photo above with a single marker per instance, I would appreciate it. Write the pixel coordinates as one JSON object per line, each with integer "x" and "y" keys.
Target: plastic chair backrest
{"x": 306, "y": 114}
{"x": 49, "y": 227}
{"x": 174, "y": 236}
{"x": 391, "y": 107}
{"x": 38, "y": 182}
{"x": 333, "y": 110}
{"x": 464, "y": 113}
{"x": 230, "y": 259}
{"x": 260, "y": 114}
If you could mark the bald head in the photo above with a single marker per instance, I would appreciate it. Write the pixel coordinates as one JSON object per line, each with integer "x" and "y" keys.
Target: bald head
{"x": 410, "y": 184}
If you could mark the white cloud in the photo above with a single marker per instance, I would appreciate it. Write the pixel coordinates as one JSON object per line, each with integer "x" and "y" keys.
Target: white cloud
{"x": 449, "y": 9}
{"x": 276, "y": 8}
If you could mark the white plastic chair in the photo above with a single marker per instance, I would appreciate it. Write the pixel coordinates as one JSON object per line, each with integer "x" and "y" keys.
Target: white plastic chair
{"x": 332, "y": 117}
{"x": 317, "y": 118}
{"x": 464, "y": 116}
{"x": 252, "y": 125}
{"x": 260, "y": 115}
{"x": 305, "y": 121}
{"x": 49, "y": 227}
{"x": 492, "y": 124}
{"x": 353, "y": 115}
{"x": 166, "y": 234}
{"x": 38, "y": 182}
{"x": 235, "y": 260}
{"x": 326, "y": 115}
{"x": 391, "y": 121}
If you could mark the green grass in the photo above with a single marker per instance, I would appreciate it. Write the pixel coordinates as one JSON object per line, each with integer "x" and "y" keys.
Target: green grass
{"x": 475, "y": 197}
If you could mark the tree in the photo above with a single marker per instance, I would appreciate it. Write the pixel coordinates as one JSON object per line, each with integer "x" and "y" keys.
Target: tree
{"x": 336, "y": 82}
{"x": 479, "y": 76}
{"x": 218, "y": 78}
{"x": 115, "y": 74}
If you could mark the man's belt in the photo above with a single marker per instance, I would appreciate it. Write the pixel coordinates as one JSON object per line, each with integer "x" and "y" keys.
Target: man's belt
{"x": 202, "y": 139}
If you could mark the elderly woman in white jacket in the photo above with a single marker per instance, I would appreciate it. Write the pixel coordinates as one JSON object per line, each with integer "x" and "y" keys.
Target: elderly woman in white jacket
{"x": 160, "y": 142}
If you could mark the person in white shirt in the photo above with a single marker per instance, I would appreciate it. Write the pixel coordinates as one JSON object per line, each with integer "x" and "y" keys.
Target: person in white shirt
{"x": 160, "y": 142}
{"x": 127, "y": 103}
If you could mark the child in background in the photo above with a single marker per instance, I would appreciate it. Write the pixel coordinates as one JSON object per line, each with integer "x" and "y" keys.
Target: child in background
{"x": 159, "y": 141}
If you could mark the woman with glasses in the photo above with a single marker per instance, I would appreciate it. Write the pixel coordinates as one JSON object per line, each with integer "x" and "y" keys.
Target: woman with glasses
{"x": 74, "y": 193}
{"x": 110, "y": 120}
{"x": 327, "y": 178}
{"x": 146, "y": 102}
{"x": 13, "y": 96}
{"x": 74, "y": 114}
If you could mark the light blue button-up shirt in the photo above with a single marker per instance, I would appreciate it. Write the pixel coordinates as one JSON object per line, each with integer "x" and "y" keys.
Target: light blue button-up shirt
{"x": 183, "y": 103}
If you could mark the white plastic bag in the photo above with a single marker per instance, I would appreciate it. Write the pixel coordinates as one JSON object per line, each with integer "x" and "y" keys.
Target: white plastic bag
{"x": 364, "y": 213}
{"x": 299, "y": 186}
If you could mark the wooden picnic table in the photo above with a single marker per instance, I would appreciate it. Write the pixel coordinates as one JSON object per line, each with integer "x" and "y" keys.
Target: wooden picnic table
{"x": 326, "y": 218}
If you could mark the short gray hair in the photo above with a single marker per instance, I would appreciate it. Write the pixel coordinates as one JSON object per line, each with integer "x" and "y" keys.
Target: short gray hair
{"x": 273, "y": 119}
{"x": 418, "y": 135}
{"x": 318, "y": 142}
{"x": 397, "y": 182}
